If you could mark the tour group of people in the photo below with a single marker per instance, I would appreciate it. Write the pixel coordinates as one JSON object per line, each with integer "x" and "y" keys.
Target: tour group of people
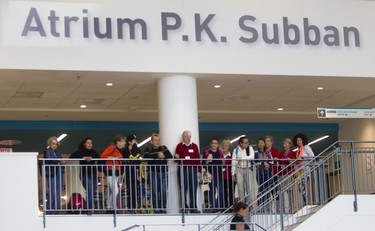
{"x": 251, "y": 171}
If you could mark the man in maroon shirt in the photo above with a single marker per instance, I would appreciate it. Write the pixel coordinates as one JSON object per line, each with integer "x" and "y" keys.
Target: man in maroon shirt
{"x": 190, "y": 163}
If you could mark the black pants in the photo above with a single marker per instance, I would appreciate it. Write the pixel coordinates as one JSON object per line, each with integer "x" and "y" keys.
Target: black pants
{"x": 229, "y": 192}
{"x": 132, "y": 186}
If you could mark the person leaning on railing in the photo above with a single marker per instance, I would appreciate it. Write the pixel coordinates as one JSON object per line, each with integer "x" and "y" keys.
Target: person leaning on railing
{"x": 112, "y": 154}
{"x": 242, "y": 170}
{"x": 304, "y": 151}
{"x": 158, "y": 172}
{"x": 54, "y": 173}
{"x": 190, "y": 170}
{"x": 214, "y": 164}
{"x": 286, "y": 168}
{"x": 229, "y": 185}
{"x": 132, "y": 171}
{"x": 264, "y": 172}
{"x": 88, "y": 169}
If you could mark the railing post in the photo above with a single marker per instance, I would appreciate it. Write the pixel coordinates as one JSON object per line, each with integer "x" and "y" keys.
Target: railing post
{"x": 114, "y": 196}
{"x": 44, "y": 192}
{"x": 281, "y": 206}
{"x": 355, "y": 204}
{"x": 182, "y": 187}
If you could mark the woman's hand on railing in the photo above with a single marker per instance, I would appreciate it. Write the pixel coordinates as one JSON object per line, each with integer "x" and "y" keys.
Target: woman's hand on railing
{"x": 87, "y": 158}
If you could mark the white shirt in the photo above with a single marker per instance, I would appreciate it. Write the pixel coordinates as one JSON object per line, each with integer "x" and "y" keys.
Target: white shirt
{"x": 240, "y": 158}
{"x": 308, "y": 152}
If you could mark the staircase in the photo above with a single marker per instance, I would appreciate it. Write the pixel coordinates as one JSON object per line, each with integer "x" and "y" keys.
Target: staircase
{"x": 339, "y": 169}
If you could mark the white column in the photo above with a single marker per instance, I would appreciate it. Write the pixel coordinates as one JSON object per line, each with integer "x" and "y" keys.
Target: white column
{"x": 178, "y": 111}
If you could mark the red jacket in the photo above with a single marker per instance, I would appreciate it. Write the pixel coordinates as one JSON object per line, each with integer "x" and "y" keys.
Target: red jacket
{"x": 112, "y": 152}
{"x": 284, "y": 164}
{"x": 275, "y": 154}
{"x": 228, "y": 167}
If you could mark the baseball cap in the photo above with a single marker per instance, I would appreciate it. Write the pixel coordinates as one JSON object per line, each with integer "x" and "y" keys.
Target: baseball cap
{"x": 131, "y": 137}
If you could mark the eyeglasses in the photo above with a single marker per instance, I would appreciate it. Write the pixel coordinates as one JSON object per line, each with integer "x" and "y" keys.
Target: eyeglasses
{"x": 54, "y": 143}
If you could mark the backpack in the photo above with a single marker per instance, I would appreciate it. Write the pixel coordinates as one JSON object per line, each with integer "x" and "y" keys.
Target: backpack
{"x": 76, "y": 203}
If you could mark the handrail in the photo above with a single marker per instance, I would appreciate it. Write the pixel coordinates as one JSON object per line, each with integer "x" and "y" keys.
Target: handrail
{"x": 344, "y": 147}
{"x": 314, "y": 163}
{"x": 131, "y": 227}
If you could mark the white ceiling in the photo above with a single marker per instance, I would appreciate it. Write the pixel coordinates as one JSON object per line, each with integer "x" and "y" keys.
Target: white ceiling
{"x": 57, "y": 95}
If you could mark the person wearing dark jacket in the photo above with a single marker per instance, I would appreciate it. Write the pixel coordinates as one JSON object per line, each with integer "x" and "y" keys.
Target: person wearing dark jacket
{"x": 88, "y": 169}
{"x": 54, "y": 172}
{"x": 241, "y": 210}
{"x": 132, "y": 153}
{"x": 158, "y": 172}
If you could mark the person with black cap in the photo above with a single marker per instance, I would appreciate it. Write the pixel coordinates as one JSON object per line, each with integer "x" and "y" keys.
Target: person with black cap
{"x": 132, "y": 153}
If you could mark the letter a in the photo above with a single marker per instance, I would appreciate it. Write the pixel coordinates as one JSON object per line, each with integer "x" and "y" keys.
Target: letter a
{"x": 33, "y": 15}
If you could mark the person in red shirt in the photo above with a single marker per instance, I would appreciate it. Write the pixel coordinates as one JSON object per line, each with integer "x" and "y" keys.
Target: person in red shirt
{"x": 286, "y": 168}
{"x": 190, "y": 167}
{"x": 229, "y": 185}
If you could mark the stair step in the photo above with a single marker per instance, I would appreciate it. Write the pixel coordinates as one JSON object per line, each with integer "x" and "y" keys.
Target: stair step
{"x": 291, "y": 227}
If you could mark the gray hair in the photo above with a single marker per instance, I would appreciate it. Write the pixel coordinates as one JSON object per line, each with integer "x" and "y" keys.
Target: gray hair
{"x": 289, "y": 141}
{"x": 188, "y": 132}
{"x": 269, "y": 137}
{"x": 52, "y": 138}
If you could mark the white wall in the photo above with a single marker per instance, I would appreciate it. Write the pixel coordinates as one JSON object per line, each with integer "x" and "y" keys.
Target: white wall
{"x": 105, "y": 222}
{"x": 19, "y": 204}
{"x": 19, "y": 192}
{"x": 357, "y": 129}
{"x": 338, "y": 215}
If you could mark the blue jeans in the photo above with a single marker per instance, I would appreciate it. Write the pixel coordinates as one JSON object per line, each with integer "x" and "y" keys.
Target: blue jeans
{"x": 217, "y": 183}
{"x": 90, "y": 183}
{"x": 54, "y": 188}
{"x": 159, "y": 181}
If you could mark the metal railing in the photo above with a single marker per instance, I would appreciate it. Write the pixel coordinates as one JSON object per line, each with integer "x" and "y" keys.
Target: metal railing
{"x": 127, "y": 188}
{"x": 348, "y": 169}
{"x": 124, "y": 187}
{"x": 276, "y": 201}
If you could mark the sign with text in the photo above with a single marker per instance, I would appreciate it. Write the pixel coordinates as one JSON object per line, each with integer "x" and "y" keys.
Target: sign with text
{"x": 364, "y": 113}
{"x": 190, "y": 36}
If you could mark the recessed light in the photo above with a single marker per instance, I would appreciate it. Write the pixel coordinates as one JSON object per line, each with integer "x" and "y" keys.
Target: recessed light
{"x": 109, "y": 84}
{"x": 280, "y": 109}
{"x": 320, "y": 88}
{"x": 217, "y": 86}
{"x": 83, "y": 106}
